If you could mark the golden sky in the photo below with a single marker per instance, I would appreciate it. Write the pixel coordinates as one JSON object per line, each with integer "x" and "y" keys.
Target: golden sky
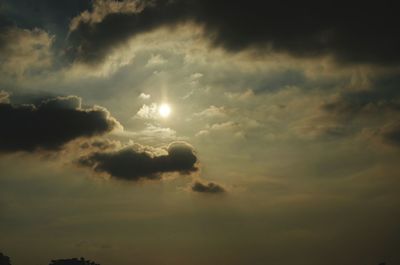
{"x": 199, "y": 132}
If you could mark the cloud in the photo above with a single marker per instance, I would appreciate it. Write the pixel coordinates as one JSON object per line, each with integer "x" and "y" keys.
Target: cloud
{"x": 221, "y": 129}
{"x": 196, "y": 76}
{"x": 242, "y": 96}
{"x": 4, "y": 97}
{"x": 156, "y": 60}
{"x": 100, "y": 144}
{"x": 112, "y": 15}
{"x": 102, "y": 8}
{"x": 267, "y": 26}
{"x": 147, "y": 112}
{"x": 210, "y": 187}
{"x": 150, "y": 133}
{"x": 321, "y": 126}
{"x": 370, "y": 111}
{"x": 391, "y": 134}
{"x": 137, "y": 162}
{"x": 375, "y": 100}
{"x": 51, "y": 124}
{"x": 144, "y": 96}
{"x": 212, "y": 112}
{"x": 24, "y": 51}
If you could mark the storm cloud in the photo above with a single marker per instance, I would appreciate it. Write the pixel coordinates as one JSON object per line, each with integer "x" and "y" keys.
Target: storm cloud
{"x": 367, "y": 102}
{"x": 371, "y": 111}
{"x": 210, "y": 187}
{"x": 391, "y": 134}
{"x": 137, "y": 162}
{"x": 351, "y": 32}
{"x": 50, "y": 124}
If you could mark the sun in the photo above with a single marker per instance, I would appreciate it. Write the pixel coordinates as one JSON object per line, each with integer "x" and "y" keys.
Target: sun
{"x": 164, "y": 110}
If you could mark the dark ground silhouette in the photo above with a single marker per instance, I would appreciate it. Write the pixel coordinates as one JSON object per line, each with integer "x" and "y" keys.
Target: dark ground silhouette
{"x": 4, "y": 260}
{"x": 74, "y": 261}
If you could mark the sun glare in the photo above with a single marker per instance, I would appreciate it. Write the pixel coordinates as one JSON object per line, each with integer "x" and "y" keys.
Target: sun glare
{"x": 164, "y": 110}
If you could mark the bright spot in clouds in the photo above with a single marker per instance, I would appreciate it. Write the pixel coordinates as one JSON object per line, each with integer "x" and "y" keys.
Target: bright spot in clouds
{"x": 164, "y": 110}
{"x": 144, "y": 96}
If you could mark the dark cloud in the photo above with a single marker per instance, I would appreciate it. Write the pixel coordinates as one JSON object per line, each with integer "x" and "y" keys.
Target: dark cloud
{"x": 93, "y": 40}
{"x": 135, "y": 162}
{"x": 352, "y": 104}
{"x": 50, "y": 124}
{"x": 207, "y": 188}
{"x": 100, "y": 144}
{"x": 4, "y": 26}
{"x": 391, "y": 134}
{"x": 351, "y": 31}
{"x": 373, "y": 111}
{"x": 382, "y": 96}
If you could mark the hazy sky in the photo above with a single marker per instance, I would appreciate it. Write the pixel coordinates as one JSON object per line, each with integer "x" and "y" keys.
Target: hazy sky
{"x": 200, "y": 132}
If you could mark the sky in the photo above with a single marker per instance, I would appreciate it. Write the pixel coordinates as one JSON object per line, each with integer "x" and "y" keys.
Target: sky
{"x": 200, "y": 132}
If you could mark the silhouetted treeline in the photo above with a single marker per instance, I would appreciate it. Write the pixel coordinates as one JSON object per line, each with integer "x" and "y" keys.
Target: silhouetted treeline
{"x": 4, "y": 260}
{"x": 74, "y": 261}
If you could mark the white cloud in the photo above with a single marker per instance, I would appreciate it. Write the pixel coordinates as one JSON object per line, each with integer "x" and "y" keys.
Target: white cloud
{"x": 212, "y": 112}
{"x": 156, "y": 60}
{"x": 196, "y": 76}
{"x": 152, "y": 134}
{"x": 102, "y": 8}
{"x": 221, "y": 129}
{"x": 246, "y": 95}
{"x": 224, "y": 126}
{"x": 147, "y": 112}
{"x": 144, "y": 96}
